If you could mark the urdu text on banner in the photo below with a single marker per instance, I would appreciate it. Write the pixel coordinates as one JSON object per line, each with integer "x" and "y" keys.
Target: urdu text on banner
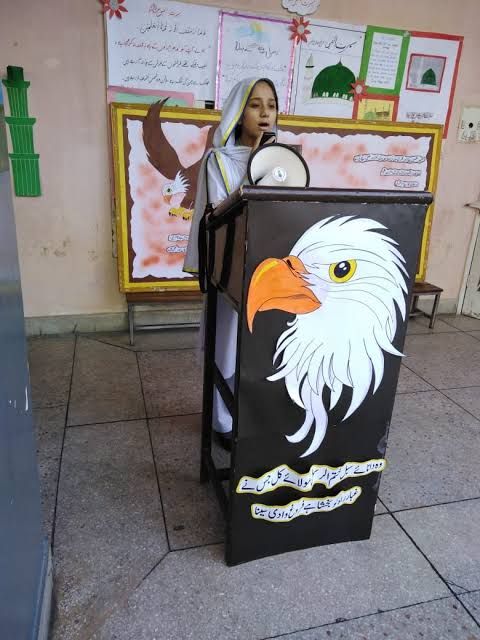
{"x": 254, "y": 47}
{"x": 164, "y": 45}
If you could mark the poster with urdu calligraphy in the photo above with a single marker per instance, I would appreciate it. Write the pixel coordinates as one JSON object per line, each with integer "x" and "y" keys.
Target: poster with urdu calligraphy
{"x": 253, "y": 46}
{"x": 429, "y": 80}
{"x": 326, "y": 67}
{"x": 369, "y": 155}
{"x": 364, "y": 160}
{"x": 383, "y": 59}
{"x": 164, "y": 45}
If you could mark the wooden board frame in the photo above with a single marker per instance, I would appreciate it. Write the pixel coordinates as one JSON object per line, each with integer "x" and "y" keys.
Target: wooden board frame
{"x": 120, "y": 111}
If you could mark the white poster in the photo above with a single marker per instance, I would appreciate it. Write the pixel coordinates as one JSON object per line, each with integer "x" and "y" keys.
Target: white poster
{"x": 428, "y": 82}
{"x": 251, "y": 47}
{"x": 326, "y": 65}
{"x": 164, "y": 45}
{"x": 384, "y": 60}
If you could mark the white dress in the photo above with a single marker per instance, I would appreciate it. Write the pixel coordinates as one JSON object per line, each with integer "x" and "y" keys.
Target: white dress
{"x": 226, "y": 329}
{"x": 224, "y": 168}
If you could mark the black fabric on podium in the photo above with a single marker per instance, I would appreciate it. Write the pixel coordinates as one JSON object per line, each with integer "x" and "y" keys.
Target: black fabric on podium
{"x": 268, "y": 222}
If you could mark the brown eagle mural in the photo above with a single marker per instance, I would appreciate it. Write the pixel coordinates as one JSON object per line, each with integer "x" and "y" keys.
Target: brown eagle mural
{"x": 181, "y": 189}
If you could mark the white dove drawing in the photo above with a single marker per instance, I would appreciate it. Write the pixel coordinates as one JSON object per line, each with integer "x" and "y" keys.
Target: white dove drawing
{"x": 345, "y": 280}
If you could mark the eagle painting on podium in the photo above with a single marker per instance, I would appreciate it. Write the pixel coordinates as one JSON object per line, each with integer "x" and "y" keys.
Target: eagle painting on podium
{"x": 345, "y": 281}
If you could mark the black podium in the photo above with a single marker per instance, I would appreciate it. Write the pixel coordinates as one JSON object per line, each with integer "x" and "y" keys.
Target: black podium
{"x": 321, "y": 281}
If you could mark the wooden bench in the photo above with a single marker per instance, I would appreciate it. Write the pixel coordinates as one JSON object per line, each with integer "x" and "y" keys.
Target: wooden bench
{"x": 425, "y": 289}
{"x": 144, "y": 299}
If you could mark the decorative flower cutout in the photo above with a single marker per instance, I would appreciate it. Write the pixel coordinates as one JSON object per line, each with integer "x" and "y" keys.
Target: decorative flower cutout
{"x": 359, "y": 89}
{"x": 115, "y": 7}
{"x": 299, "y": 30}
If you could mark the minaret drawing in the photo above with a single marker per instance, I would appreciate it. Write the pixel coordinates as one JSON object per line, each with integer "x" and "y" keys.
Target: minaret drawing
{"x": 430, "y": 78}
{"x": 307, "y": 78}
{"x": 334, "y": 82}
{"x": 25, "y": 165}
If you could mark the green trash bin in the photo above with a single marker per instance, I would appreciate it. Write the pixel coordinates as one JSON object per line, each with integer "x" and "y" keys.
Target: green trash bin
{"x": 21, "y": 132}
{"x": 26, "y": 174}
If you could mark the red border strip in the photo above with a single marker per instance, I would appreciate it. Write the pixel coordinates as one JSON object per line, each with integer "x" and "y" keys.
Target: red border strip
{"x": 445, "y": 36}
{"x": 434, "y": 34}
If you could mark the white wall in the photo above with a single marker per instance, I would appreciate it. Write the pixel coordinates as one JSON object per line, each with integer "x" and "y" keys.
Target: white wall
{"x": 64, "y": 236}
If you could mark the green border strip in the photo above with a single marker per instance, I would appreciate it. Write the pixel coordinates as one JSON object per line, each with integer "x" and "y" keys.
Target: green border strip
{"x": 367, "y": 49}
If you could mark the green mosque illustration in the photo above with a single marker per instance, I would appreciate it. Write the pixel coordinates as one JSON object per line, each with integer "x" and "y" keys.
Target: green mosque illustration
{"x": 425, "y": 72}
{"x": 429, "y": 77}
{"x": 333, "y": 82}
{"x": 378, "y": 113}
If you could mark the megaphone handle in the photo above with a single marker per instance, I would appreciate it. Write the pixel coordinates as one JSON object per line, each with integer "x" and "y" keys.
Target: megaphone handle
{"x": 266, "y": 137}
{"x": 228, "y": 254}
{"x": 203, "y": 255}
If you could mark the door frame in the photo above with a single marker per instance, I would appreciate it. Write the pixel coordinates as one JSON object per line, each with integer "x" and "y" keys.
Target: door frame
{"x": 470, "y": 254}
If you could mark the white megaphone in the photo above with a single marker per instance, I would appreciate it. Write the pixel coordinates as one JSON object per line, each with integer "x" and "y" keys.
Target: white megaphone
{"x": 277, "y": 165}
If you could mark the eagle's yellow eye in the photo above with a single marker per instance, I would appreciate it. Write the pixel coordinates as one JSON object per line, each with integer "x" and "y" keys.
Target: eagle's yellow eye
{"x": 342, "y": 271}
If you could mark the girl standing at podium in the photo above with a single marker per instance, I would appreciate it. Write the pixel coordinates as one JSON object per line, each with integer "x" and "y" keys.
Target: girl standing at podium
{"x": 250, "y": 110}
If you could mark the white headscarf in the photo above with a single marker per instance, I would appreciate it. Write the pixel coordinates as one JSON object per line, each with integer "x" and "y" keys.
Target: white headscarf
{"x": 224, "y": 166}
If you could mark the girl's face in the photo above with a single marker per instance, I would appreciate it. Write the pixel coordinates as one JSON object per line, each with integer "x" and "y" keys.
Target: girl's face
{"x": 259, "y": 115}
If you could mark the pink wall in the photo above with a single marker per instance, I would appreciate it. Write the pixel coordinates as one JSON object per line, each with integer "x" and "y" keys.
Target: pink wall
{"x": 65, "y": 236}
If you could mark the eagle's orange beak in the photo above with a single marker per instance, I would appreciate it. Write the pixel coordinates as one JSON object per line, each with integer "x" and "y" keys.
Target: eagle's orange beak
{"x": 278, "y": 284}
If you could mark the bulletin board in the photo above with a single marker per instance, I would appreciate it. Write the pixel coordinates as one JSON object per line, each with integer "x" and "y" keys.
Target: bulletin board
{"x": 320, "y": 68}
{"x": 430, "y": 77}
{"x": 409, "y": 76}
{"x": 157, "y": 156}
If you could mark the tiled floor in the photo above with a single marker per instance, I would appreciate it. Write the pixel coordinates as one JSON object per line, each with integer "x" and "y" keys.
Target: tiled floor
{"x": 137, "y": 541}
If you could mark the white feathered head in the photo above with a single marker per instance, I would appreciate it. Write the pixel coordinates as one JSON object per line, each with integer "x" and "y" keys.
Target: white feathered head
{"x": 344, "y": 280}
{"x": 178, "y": 186}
